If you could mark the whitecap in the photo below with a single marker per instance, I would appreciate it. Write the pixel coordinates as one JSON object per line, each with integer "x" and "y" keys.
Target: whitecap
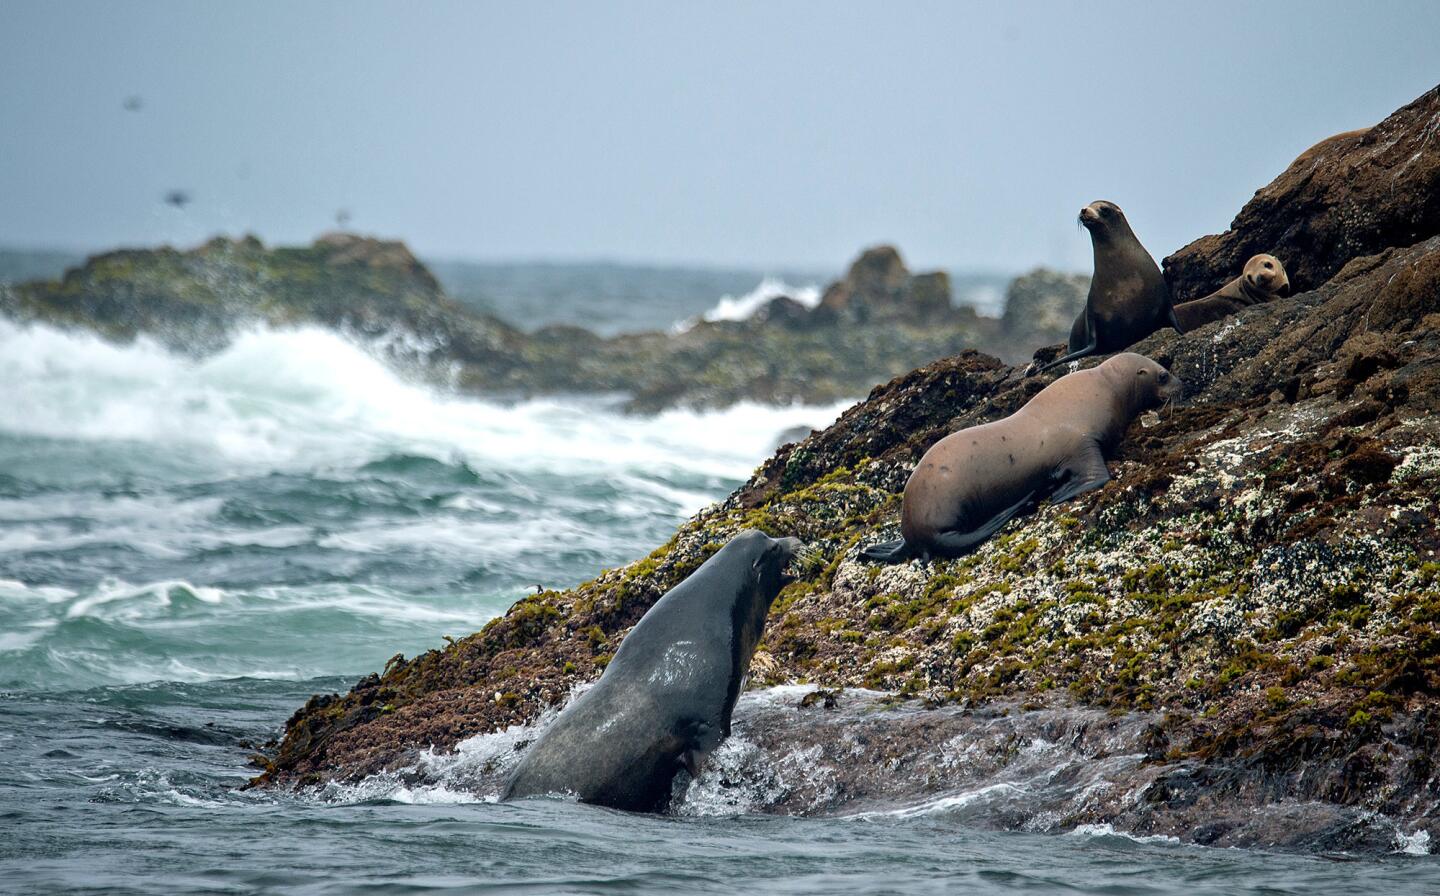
{"x": 308, "y": 398}
{"x": 159, "y": 594}
{"x": 12, "y": 588}
{"x": 1108, "y": 830}
{"x": 742, "y": 307}
{"x": 1413, "y": 844}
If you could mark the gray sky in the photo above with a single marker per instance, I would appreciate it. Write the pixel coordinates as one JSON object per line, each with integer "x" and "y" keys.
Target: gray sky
{"x": 738, "y": 133}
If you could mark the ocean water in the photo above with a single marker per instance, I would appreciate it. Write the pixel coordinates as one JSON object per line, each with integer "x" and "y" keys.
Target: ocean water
{"x": 606, "y": 298}
{"x": 609, "y": 298}
{"x": 190, "y": 548}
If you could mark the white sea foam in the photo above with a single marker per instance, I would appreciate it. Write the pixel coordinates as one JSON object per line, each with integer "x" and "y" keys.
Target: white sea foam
{"x": 1108, "y": 830}
{"x": 946, "y": 803}
{"x": 152, "y": 481}
{"x": 473, "y": 772}
{"x": 158, "y": 594}
{"x": 1416, "y": 844}
{"x": 49, "y": 593}
{"x": 308, "y": 398}
{"x": 742, "y": 307}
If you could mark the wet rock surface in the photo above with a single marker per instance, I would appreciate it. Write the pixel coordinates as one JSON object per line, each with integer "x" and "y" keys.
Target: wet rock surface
{"x": 1239, "y": 635}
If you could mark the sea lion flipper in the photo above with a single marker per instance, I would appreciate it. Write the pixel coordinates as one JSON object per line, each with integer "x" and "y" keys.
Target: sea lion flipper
{"x": 1073, "y": 356}
{"x": 1082, "y": 473}
{"x": 1085, "y": 329}
{"x": 1174, "y": 319}
{"x": 956, "y": 543}
{"x": 886, "y": 551}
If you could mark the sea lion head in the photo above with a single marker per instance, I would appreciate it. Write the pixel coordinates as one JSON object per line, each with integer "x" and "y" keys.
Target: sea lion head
{"x": 1265, "y": 274}
{"x": 771, "y": 558}
{"x": 1141, "y": 382}
{"x": 1103, "y": 218}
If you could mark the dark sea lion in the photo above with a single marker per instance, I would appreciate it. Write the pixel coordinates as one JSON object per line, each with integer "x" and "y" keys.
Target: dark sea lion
{"x": 973, "y": 481}
{"x": 665, "y": 700}
{"x": 1128, "y": 297}
{"x": 1263, "y": 279}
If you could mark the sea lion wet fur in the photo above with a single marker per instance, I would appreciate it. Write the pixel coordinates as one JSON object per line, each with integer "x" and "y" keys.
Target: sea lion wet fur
{"x": 666, "y": 698}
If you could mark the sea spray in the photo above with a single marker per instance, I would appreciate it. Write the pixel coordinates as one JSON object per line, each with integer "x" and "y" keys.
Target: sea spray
{"x": 309, "y": 398}
{"x": 291, "y": 507}
{"x": 743, "y": 306}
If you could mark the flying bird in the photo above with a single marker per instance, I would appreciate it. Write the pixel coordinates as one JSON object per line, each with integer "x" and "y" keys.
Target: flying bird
{"x": 178, "y": 198}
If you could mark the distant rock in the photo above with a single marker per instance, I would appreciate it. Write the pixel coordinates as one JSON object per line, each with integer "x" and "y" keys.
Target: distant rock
{"x": 879, "y": 285}
{"x": 782, "y": 311}
{"x": 1039, "y": 308}
{"x": 881, "y": 320}
{"x": 195, "y": 301}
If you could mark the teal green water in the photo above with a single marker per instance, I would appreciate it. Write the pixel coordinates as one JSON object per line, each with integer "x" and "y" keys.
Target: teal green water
{"x": 189, "y": 549}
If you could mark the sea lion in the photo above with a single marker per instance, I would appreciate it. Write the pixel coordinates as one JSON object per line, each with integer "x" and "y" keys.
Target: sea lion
{"x": 1262, "y": 279}
{"x": 665, "y": 700}
{"x": 1128, "y": 297}
{"x": 973, "y": 481}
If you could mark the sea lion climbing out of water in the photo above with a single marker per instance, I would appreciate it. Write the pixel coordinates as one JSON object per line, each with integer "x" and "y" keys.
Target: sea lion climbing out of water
{"x": 665, "y": 700}
{"x": 1128, "y": 297}
{"x": 972, "y": 482}
{"x": 1263, "y": 279}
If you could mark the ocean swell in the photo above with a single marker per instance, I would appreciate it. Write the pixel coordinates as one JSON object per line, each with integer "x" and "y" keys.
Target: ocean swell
{"x": 291, "y": 506}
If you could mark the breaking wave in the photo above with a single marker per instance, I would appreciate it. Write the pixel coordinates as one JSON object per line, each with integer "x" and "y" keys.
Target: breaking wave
{"x": 742, "y": 307}
{"x": 172, "y": 518}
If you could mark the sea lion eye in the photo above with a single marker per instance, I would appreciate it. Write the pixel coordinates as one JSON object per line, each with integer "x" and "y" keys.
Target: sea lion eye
{"x": 1141, "y": 372}
{"x": 1268, "y": 265}
{"x": 1164, "y": 377}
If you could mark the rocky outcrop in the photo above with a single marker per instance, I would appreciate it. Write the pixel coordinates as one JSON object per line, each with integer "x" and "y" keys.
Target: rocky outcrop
{"x": 878, "y": 321}
{"x": 1253, "y": 603}
{"x": 1351, "y": 195}
{"x": 865, "y": 326}
{"x": 1040, "y": 304}
{"x": 195, "y": 301}
{"x": 878, "y": 285}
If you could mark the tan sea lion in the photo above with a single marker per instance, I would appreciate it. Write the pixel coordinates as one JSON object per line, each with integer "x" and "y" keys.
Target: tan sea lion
{"x": 973, "y": 481}
{"x": 1263, "y": 279}
{"x": 1128, "y": 297}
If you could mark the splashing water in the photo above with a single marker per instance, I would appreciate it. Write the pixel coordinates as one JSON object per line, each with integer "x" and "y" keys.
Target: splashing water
{"x": 190, "y": 548}
{"x": 171, "y": 518}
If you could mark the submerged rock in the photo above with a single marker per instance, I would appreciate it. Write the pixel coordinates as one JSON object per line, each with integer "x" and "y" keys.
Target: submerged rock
{"x": 1236, "y": 641}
